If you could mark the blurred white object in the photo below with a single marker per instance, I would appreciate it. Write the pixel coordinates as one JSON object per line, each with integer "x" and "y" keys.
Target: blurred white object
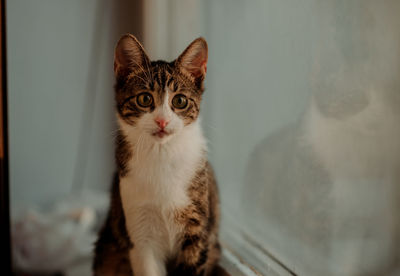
{"x": 50, "y": 240}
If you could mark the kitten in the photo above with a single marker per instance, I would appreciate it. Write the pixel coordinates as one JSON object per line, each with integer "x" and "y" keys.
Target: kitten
{"x": 164, "y": 213}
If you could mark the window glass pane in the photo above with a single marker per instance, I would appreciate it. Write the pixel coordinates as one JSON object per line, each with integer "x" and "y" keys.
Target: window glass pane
{"x": 302, "y": 112}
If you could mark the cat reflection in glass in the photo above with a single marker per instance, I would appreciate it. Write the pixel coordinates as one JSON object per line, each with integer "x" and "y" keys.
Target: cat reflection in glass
{"x": 164, "y": 212}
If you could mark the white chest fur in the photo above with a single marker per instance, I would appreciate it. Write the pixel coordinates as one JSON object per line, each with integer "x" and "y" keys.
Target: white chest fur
{"x": 155, "y": 187}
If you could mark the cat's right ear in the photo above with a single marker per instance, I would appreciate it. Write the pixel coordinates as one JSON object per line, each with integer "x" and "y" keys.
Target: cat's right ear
{"x": 129, "y": 56}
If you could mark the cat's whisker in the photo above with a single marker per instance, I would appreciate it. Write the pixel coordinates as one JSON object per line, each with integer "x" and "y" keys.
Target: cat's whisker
{"x": 148, "y": 71}
{"x": 137, "y": 76}
{"x": 209, "y": 125}
{"x": 137, "y": 64}
{"x": 114, "y": 133}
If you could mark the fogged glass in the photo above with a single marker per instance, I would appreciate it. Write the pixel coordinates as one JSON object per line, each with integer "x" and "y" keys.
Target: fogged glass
{"x": 303, "y": 116}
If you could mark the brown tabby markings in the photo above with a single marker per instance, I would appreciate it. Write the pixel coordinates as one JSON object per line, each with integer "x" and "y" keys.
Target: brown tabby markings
{"x": 123, "y": 153}
{"x": 200, "y": 247}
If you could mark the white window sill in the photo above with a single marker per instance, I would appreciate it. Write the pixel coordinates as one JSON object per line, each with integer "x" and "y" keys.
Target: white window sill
{"x": 243, "y": 255}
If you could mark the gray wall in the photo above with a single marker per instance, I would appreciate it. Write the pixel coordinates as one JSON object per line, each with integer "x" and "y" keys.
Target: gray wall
{"x": 61, "y": 119}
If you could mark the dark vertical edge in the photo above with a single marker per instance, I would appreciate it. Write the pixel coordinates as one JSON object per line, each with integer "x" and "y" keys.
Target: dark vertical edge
{"x": 4, "y": 176}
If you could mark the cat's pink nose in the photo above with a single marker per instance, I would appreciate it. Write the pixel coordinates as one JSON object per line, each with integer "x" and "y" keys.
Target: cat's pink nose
{"x": 162, "y": 123}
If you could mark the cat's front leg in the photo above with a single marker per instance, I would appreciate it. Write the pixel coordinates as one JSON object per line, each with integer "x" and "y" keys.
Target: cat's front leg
{"x": 146, "y": 262}
{"x": 147, "y": 233}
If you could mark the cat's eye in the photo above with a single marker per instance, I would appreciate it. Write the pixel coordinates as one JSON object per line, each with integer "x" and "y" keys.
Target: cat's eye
{"x": 179, "y": 101}
{"x": 144, "y": 99}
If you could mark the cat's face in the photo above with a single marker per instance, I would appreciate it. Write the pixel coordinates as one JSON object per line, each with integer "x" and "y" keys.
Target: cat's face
{"x": 158, "y": 99}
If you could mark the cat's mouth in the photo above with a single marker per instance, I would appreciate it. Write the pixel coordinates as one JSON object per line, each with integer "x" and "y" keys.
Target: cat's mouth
{"x": 161, "y": 133}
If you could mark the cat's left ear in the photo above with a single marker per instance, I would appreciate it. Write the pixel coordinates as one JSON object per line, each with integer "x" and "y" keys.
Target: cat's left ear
{"x": 129, "y": 56}
{"x": 193, "y": 61}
